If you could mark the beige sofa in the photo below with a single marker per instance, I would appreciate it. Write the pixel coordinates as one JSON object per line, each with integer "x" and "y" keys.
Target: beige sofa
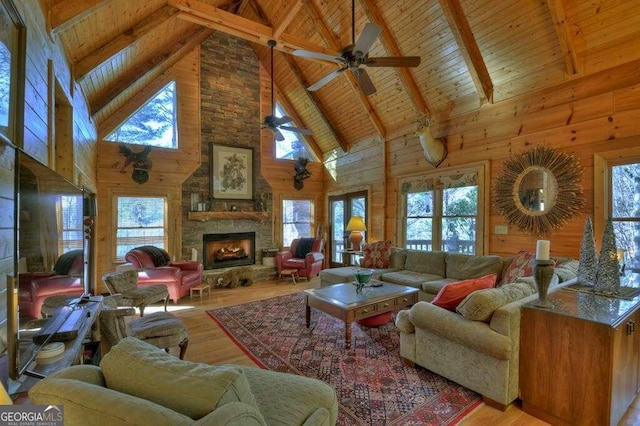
{"x": 428, "y": 271}
{"x": 139, "y": 384}
{"x": 478, "y": 345}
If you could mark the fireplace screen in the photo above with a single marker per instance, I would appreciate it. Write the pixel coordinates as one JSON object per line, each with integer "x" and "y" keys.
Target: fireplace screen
{"x": 225, "y": 250}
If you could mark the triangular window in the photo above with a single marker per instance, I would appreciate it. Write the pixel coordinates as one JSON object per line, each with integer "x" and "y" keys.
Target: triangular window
{"x": 292, "y": 146}
{"x": 155, "y": 123}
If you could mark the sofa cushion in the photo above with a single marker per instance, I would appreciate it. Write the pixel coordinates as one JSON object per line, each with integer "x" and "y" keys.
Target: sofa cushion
{"x": 519, "y": 267}
{"x": 398, "y": 258}
{"x": 142, "y": 370}
{"x": 426, "y": 262}
{"x": 465, "y": 266}
{"x": 452, "y": 294}
{"x": 376, "y": 255}
{"x": 408, "y": 278}
{"x": 480, "y": 305}
{"x": 567, "y": 270}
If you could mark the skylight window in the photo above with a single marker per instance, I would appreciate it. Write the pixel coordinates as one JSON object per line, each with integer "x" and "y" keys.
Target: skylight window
{"x": 155, "y": 123}
{"x": 292, "y": 146}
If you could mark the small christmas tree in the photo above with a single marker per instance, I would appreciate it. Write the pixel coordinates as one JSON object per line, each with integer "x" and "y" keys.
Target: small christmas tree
{"x": 588, "y": 257}
{"x": 607, "y": 274}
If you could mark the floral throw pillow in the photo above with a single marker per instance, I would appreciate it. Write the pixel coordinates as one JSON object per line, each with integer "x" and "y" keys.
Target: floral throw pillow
{"x": 521, "y": 266}
{"x": 376, "y": 255}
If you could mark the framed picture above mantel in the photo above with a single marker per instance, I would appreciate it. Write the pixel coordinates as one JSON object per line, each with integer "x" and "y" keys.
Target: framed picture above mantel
{"x": 231, "y": 172}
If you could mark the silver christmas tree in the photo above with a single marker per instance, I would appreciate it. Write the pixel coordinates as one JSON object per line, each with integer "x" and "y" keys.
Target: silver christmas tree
{"x": 607, "y": 275}
{"x": 588, "y": 257}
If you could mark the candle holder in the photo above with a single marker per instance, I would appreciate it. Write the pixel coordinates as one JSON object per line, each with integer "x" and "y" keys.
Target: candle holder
{"x": 542, "y": 273}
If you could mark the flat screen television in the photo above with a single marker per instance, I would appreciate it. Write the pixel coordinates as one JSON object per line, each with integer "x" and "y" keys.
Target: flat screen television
{"x": 50, "y": 223}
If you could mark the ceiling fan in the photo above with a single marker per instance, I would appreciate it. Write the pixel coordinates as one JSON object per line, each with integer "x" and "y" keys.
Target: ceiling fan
{"x": 356, "y": 54}
{"x": 273, "y": 123}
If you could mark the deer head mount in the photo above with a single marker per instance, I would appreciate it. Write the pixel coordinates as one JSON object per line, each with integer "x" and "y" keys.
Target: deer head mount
{"x": 435, "y": 149}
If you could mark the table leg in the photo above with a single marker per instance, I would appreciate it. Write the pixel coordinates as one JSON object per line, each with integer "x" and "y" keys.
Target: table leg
{"x": 347, "y": 335}
{"x": 308, "y": 315}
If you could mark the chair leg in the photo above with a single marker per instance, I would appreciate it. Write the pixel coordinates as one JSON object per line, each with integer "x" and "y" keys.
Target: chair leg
{"x": 141, "y": 310}
{"x": 166, "y": 301}
{"x": 183, "y": 347}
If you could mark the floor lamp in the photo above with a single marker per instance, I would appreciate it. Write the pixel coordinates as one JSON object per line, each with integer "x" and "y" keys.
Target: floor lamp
{"x": 356, "y": 226}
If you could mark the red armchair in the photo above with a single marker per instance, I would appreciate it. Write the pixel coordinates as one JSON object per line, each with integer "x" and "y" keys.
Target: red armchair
{"x": 304, "y": 255}
{"x": 66, "y": 279}
{"x": 155, "y": 267}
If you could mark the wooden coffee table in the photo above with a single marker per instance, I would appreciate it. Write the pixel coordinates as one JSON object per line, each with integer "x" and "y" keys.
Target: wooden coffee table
{"x": 342, "y": 301}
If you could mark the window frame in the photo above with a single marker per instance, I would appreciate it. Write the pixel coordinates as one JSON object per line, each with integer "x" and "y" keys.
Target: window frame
{"x": 280, "y": 111}
{"x": 283, "y": 223}
{"x": 62, "y": 242}
{"x": 481, "y": 233}
{"x": 115, "y": 207}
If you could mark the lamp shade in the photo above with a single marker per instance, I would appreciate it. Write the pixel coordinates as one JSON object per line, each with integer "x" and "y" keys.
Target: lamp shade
{"x": 356, "y": 223}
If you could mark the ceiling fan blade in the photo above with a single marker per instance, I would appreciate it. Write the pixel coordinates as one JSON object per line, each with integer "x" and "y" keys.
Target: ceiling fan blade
{"x": 282, "y": 120}
{"x": 317, "y": 55}
{"x": 393, "y": 61}
{"x": 366, "y": 39}
{"x": 365, "y": 83}
{"x": 324, "y": 80}
{"x": 278, "y": 134}
{"x": 296, "y": 130}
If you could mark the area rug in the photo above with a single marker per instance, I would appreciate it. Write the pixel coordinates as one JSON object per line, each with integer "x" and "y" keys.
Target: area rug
{"x": 374, "y": 386}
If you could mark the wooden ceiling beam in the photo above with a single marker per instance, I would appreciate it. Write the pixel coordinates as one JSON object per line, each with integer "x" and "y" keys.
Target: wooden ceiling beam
{"x": 291, "y": 13}
{"x": 468, "y": 48}
{"x": 62, "y": 14}
{"x": 122, "y": 42}
{"x": 303, "y": 83}
{"x": 334, "y": 43}
{"x": 406, "y": 78}
{"x": 238, "y": 26}
{"x": 565, "y": 37}
{"x": 160, "y": 63}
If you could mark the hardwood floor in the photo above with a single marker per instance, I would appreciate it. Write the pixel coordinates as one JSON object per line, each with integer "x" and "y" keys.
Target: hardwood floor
{"x": 210, "y": 345}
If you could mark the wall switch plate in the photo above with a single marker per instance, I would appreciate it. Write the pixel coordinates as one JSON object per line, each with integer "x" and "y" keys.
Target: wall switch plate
{"x": 501, "y": 229}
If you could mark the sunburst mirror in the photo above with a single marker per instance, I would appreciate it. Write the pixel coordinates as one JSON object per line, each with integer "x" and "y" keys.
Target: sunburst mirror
{"x": 539, "y": 190}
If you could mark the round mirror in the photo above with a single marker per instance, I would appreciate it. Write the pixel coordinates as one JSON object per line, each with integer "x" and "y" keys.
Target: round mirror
{"x": 539, "y": 190}
{"x": 535, "y": 190}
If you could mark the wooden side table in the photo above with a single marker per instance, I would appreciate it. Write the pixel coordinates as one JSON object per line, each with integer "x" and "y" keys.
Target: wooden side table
{"x": 199, "y": 290}
{"x": 293, "y": 273}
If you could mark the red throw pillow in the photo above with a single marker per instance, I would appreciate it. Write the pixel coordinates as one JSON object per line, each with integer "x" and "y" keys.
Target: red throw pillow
{"x": 377, "y": 255}
{"x": 519, "y": 267}
{"x": 450, "y": 296}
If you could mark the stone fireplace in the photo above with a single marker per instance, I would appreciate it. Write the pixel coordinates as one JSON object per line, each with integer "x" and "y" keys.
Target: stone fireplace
{"x": 223, "y": 250}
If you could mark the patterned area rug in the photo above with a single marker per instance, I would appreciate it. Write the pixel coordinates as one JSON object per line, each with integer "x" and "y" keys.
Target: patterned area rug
{"x": 374, "y": 386}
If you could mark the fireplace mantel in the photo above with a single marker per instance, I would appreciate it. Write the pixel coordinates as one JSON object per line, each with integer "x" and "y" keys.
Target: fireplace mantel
{"x": 204, "y": 216}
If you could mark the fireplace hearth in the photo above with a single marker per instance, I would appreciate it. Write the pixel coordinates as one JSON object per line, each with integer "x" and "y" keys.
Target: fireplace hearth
{"x": 224, "y": 250}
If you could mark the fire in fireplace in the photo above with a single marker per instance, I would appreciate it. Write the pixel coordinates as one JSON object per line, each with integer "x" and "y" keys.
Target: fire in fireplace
{"x": 225, "y": 250}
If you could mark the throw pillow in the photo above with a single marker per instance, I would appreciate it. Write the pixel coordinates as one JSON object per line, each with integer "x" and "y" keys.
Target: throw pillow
{"x": 520, "y": 266}
{"x": 480, "y": 305}
{"x": 377, "y": 255}
{"x": 305, "y": 245}
{"x": 137, "y": 368}
{"x": 450, "y": 296}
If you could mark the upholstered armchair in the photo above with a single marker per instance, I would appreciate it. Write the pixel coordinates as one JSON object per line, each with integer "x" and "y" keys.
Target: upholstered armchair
{"x": 65, "y": 279}
{"x": 155, "y": 267}
{"x": 124, "y": 287}
{"x": 304, "y": 255}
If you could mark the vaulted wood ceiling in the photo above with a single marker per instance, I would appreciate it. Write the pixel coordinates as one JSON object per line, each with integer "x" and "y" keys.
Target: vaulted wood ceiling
{"x": 474, "y": 52}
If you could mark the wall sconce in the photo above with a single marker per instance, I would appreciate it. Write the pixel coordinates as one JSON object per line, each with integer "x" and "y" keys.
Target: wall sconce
{"x": 356, "y": 226}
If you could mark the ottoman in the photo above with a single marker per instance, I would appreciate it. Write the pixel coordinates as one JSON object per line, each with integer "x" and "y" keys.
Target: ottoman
{"x": 52, "y": 303}
{"x": 161, "y": 329}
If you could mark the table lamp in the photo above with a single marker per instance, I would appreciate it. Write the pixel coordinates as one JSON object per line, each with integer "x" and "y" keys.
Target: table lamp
{"x": 356, "y": 226}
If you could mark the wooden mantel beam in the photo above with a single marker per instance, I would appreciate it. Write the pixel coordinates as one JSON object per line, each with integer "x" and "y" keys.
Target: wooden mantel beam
{"x": 332, "y": 40}
{"x": 566, "y": 39}
{"x": 468, "y": 48}
{"x": 238, "y": 26}
{"x": 406, "y": 78}
{"x": 122, "y": 42}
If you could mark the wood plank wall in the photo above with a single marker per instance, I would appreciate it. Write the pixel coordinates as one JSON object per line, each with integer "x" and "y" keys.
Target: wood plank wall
{"x": 587, "y": 117}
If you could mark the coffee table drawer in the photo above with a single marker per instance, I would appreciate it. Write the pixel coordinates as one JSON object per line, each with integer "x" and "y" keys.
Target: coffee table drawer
{"x": 386, "y": 305}
{"x": 365, "y": 311}
{"x": 409, "y": 299}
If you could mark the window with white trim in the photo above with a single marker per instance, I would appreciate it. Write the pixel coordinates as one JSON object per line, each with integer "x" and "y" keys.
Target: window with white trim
{"x": 297, "y": 220}
{"x": 624, "y": 209}
{"x": 71, "y": 227}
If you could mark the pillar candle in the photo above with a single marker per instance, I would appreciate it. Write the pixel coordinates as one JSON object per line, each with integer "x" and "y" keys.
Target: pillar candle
{"x": 194, "y": 254}
{"x": 542, "y": 250}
